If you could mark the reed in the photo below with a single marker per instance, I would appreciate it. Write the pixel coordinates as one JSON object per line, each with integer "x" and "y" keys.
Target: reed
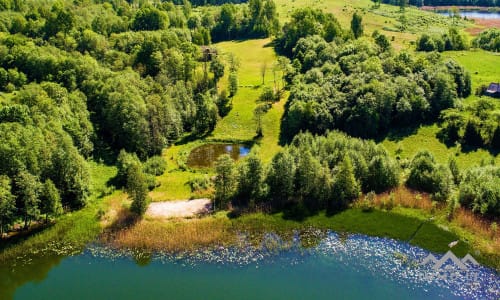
{"x": 175, "y": 235}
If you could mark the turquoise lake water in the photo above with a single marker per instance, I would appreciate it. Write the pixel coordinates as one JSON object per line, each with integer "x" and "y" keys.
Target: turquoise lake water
{"x": 356, "y": 267}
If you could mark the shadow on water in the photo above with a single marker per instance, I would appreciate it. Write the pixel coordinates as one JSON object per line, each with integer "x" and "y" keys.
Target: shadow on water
{"x": 17, "y": 273}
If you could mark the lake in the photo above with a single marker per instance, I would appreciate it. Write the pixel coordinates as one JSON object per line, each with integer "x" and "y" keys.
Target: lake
{"x": 336, "y": 267}
{"x": 475, "y": 14}
{"x": 206, "y": 155}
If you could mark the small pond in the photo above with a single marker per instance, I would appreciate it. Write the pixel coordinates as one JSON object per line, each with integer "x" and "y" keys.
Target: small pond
{"x": 475, "y": 14}
{"x": 332, "y": 267}
{"x": 206, "y": 155}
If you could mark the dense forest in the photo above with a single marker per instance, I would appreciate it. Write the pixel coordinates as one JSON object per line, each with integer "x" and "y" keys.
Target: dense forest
{"x": 81, "y": 81}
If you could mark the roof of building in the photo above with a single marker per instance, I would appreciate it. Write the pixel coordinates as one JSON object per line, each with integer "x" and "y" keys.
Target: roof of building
{"x": 493, "y": 88}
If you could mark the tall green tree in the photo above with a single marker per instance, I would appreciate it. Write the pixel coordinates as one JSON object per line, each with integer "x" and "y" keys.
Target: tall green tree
{"x": 50, "y": 203}
{"x": 225, "y": 181}
{"x": 217, "y": 68}
{"x": 357, "y": 25}
{"x": 280, "y": 179}
{"x": 29, "y": 190}
{"x": 137, "y": 188}
{"x": 251, "y": 180}
{"x": 345, "y": 186}
{"x": 7, "y": 204}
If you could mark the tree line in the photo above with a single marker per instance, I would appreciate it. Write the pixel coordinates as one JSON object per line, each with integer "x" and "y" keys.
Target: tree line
{"x": 331, "y": 171}
{"x": 312, "y": 173}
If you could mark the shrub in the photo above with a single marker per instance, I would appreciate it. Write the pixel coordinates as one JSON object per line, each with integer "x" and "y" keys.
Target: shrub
{"x": 427, "y": 176}
{"x": 155, "y": 165}
{"x": 480, "y": 190}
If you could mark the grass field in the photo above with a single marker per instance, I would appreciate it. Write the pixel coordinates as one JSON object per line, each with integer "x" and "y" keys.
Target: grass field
{"x": 238, "y": 126}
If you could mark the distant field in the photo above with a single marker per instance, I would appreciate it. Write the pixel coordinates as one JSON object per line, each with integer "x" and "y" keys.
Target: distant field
{"x": 386, "y": 18}
{"x": 484, "y": 66}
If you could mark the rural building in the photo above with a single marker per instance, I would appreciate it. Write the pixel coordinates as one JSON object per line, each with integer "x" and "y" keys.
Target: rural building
{"x": 493, "y": 90}
{"x": 208, "y": 53}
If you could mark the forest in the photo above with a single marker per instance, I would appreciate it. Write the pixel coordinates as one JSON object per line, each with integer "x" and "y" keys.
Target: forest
{"x": 80, "y": 88}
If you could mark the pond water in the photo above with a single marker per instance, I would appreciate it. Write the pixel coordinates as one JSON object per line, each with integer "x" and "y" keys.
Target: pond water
{"x": 475, "y": 14}
{"x": 335, "y": 267}
{"x": 206, "y": 155}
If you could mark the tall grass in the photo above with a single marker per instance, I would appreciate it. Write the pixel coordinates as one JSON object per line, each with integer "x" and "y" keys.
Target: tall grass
{"x": 174, "y": 236}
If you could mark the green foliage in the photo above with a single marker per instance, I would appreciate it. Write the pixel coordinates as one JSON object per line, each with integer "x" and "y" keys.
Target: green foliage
{"x": 7, "y": 204}
{"x": 260, "y": 20}
{"x": 480, "y": 190}
{"x": 357, "y": 87}
{"x": 425, "y": 175}
{"x": 28, "y": 190}
{"x": 200, "y": 183}
{"x": 250, "y": 188}
{"x": 345, "y": 186}
{"x": 488, "y": 40}
{"x": 225, "y": 181}
{"x": 453, "y": 40}
{"x": 50, "y": 200}
{"x": 155, "y": 165}
{"x": 356, "y": 25}
{"x": 233, "y": 84}
{"x": 475, "y": 125}
{"x": 307, "y": 22}
{"x": 280, "y": 179}
{"x": 137, "y": 188}
{"x": 150, "y": 18}
{"x": 217, "y": 68}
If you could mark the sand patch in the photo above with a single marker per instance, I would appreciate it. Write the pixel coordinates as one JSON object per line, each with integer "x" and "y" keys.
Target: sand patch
{"x": 179, "y": 209}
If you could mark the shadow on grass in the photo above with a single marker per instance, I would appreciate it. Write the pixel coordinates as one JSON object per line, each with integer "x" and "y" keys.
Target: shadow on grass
{"x": 23, "y": 235}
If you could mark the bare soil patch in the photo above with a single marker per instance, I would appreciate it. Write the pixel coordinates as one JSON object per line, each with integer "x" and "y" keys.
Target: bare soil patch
{"x": 482, "y": 24}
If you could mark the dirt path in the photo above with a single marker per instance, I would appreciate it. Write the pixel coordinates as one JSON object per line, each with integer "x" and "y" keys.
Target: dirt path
{"x": 179, "y": 209}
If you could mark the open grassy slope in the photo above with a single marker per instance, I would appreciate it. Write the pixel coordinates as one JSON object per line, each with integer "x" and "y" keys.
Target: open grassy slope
{"x": 386, "y": 18}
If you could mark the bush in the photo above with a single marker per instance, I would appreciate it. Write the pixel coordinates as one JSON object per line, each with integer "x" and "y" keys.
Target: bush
{"x": 488, "y": 40}
{"x": 480, "y": 190}
{"x": 155, "y": 165}
{"x": 427, "y": 176}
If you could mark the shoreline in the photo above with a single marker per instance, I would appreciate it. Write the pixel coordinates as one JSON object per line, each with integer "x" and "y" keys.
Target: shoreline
{"x": 461, "y": 8}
